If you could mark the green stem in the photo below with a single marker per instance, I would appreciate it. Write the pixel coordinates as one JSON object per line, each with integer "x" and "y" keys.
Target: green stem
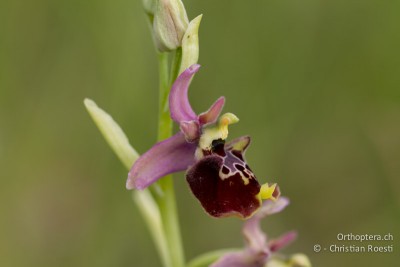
{"x": 166, "y": 201}
{"x": 164, "y": 120}
{"x": 176, "y": 65}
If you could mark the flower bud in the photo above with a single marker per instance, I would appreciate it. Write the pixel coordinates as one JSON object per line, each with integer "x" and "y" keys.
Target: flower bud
{"x": 170, "y": 24}
{"x": 190, "y": 44}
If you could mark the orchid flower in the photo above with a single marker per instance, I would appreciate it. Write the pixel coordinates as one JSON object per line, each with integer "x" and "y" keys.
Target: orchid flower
{"x": 258, "y": 249}
{"x": 217, "y": 172}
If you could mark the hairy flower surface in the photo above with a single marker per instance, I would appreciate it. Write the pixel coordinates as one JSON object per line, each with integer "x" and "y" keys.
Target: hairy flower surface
{"x": 258, "y": 249}
{"x": 217, "y": 172}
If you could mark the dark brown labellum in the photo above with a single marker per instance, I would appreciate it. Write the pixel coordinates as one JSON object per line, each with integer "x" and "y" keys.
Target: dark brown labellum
{"x": 224, "y": 184}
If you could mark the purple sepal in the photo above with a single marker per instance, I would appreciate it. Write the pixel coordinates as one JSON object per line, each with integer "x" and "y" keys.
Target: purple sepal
{"x": 212, "y": 114}
{"x": 179, "y": 105}
{"x": 171, "y": 155}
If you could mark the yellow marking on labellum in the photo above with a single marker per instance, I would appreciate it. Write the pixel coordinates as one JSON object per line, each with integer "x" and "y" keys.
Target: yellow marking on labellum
{"x": 266, "y": 191}
{"x": 224, "y": 176}
{"x": 246, "y": 181}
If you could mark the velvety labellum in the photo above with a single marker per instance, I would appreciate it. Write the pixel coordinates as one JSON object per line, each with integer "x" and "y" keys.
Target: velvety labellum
{"x": 223, "y": 183}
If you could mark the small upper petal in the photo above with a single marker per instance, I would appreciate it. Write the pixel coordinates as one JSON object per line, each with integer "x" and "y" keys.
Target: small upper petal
{"x": 179, "y": 105}
{"x": 212, "y": 114}
{"x": 171, "y": 155}
{"x": 282, "y": 241}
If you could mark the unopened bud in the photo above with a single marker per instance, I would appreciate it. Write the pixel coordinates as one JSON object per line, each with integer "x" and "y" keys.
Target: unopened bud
{"x": 170, "y": 24}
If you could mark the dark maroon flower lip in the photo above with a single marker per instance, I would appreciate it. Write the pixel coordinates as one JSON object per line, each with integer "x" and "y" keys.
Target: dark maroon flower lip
{"x": 222, "y": 181}
{"x": 217, "y": 173}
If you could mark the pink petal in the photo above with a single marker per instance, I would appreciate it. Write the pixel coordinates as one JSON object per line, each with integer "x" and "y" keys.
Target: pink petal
{"x": 171, "y": 155}
{"x": 212, "y": 114}
{"x": 282, "y": 241}
{"x": 178, "y": 98}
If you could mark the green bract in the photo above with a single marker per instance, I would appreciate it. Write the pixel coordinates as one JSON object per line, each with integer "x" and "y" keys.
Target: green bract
{"x": 190, "y": 44}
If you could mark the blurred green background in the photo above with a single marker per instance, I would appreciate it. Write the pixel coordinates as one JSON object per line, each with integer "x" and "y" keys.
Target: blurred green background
{"x": 315, "y": 83}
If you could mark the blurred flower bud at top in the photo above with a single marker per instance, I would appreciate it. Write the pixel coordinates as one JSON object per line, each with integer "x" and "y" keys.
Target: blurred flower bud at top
{"x": 170, "y": 24}
{"x": 150, "y": 6}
